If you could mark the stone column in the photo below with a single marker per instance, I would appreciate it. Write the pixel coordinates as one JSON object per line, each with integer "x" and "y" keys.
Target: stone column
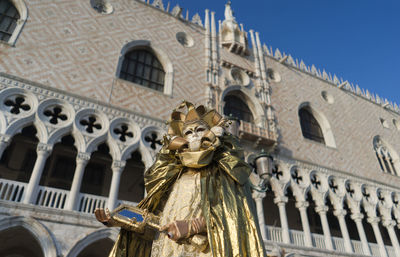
{"x": 281, "y": 202}
{"x": 81, "y": 161}
{"x": 258, "y": 198}
{"x": 322, "y": 210}
{"x": 43, "y": 151}
{"x": 374, "y": 223}
{"x": 389, "y": 224}
{"x": 117, "y": 168}
{"x": 340, "y": 214}
{"x": 302, "y": 206}
{"x": 361, "y": 232}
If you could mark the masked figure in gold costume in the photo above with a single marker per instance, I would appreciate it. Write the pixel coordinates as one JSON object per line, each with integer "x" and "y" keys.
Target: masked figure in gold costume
{"x": 199, "y": 187}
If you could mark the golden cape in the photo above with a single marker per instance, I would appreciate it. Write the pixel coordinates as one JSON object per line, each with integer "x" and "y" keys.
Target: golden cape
{"x": 227, "y": 206}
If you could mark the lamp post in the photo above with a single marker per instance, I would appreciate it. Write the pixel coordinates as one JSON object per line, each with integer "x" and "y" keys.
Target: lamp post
{"x": 263, "y": 165}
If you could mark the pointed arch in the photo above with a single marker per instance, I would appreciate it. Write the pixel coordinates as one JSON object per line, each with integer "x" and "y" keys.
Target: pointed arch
{"x": 388, "y": 158}
{"x": 315, "y": 126}
{"x": 38, "y": 231}
{"x": 106, "y": 233}
{"x": 246, "y": 97}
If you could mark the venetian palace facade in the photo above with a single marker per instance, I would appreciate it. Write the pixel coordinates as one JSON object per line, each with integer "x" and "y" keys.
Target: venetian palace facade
{"x": 86, "y": 86}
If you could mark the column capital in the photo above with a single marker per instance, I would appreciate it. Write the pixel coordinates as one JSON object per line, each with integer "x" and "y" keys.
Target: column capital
{"x": 373, "y": 220}
{"x": 340, "y": 213}
{"x": 357, "y": 216}
{"x": 388, "y": 223}
{"x": 118, "y": 165}
{"x": 83, "y": 157}
{"x": 43, "y": 149}
{"x": 302, "y": 204}
{"x": 280, "y": 200}
{"x": 321, "y": 209}
{"x": 5, "y": 139}
{"x": 258, "y": 195}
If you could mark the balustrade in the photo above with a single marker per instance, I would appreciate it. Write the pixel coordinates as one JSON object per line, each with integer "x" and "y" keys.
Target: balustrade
{"x": 51, "y": 197}
{"x": 11, "y": 190}
{"x": 297, "y": 238}
{"x": 88, "y": 203}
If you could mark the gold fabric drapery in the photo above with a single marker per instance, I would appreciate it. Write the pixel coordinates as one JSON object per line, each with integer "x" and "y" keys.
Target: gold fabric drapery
{"x": 227, "y": 207}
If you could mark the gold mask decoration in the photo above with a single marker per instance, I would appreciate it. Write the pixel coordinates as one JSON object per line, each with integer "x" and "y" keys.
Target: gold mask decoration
{"x": 179, "y": 119}
{"x": 192, "y": 135}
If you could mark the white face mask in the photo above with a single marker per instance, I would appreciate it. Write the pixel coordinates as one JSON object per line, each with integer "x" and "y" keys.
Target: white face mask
{"x": 193, "y": 133}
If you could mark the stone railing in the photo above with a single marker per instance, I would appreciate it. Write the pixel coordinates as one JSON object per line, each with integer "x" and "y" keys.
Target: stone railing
{"x": 297, "y": 238}
{"x": 51, "y": 197}
{"x": 252, "y": 132}
{"x": 88, "y": 203}
{"x": 11, "y": 190}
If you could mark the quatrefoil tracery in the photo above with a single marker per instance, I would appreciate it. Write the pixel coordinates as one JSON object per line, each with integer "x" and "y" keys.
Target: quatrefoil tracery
{"x": 55, "y": 115}
{"x": 123, "y": 132}
{"x": 153, "y": 140}
{"x": 90, "y": 124}
{"x": 17, "y": 105}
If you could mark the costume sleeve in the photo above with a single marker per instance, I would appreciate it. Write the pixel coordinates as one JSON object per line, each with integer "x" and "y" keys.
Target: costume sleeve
{"x": 230, "y": 158}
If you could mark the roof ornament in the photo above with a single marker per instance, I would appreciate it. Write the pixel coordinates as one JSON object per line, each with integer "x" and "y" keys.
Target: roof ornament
{"x": 232, "y": 36}
{"x": 228, "y": 12}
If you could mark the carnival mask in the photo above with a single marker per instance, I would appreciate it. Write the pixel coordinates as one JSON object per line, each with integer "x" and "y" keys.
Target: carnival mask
{"x": 193, "y": 133}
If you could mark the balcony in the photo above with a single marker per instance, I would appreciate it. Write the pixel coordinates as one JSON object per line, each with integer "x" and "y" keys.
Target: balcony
{"x": 258, "y": 135}
{"x": 274, "y": 234}
{"x": 52, "y": 197}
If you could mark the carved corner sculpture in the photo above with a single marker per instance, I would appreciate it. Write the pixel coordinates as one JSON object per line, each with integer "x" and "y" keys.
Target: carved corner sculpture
{"x": 198, "y": 200}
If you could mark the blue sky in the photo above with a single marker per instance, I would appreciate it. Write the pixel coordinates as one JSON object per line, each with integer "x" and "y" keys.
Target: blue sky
{"x": 358, "y": 40}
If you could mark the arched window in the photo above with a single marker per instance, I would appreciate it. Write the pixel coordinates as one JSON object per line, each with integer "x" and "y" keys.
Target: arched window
{"x": 141, "y": 66}
{"x": 8, "y": 19}
{"x": 387, "y": 158}
{"x": 310, "y": 127}
{"x": 236, "y": 107}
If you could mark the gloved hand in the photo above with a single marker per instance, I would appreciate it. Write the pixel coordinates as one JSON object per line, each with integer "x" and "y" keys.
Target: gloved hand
{"x": 180, "y": 229}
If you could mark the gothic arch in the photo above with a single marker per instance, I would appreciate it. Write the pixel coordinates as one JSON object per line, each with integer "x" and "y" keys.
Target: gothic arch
{"x": 388, "y": 158}
{"x": 323, "y": 123}
{"x": 161, "y": 56}
{"x": 91, "y": 238}
{"x": 38, "y": 230}
{"x": 251, "y": 101}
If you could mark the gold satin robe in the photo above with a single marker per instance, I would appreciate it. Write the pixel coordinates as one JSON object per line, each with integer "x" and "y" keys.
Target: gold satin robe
{"x": 227, "y": 207}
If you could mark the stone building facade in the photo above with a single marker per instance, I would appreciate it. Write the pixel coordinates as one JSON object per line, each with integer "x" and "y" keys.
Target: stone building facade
{"x": 86, "y": 87}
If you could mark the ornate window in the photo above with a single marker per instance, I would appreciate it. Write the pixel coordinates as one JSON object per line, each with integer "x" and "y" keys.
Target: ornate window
{"x": 310, "y": 126}
{"x": 8, "y": 19}
{"x": 142, "y": 67}
{"x": 387, "y": 158}
{"x": 237, "y": 108}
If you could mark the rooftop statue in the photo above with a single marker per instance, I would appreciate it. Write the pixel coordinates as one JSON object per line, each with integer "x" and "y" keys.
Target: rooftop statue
{"x": 198, "y": 188}
{"x": 228, "y": 12}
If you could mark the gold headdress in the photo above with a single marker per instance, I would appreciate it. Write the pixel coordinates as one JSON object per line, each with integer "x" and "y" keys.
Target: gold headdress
{"x": 179, "y": 119}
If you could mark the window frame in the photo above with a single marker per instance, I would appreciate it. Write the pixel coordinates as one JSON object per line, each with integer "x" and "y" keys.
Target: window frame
{"x": 247, "y": 113}
{"x": 22, "y": 10}
{"x": 161, "y": 57}
{"x": 310, "y": 127}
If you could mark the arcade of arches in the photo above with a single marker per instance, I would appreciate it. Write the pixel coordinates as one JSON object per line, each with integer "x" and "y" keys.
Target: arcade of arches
{"x": 18, "y": 161}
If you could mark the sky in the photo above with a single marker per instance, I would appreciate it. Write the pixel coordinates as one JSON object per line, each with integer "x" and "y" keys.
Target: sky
{"x": 358, "y": 40}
